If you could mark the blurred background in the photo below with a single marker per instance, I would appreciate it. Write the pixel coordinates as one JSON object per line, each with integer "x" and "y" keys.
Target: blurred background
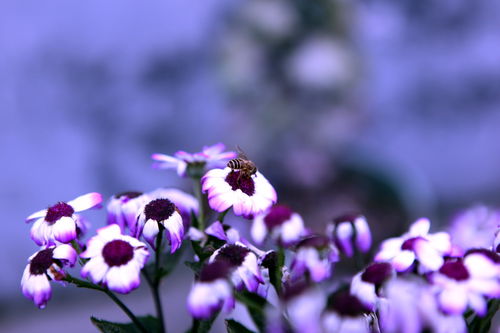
{"x": 390, "y": 108}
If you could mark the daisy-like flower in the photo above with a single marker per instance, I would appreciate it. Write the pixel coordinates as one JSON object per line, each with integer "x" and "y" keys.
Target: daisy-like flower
{"x": 245, "y": 271}
{"x": 210, "y": 157}
{"x": 211, "y": 292}
{"x": 411, "y": 307}
{"x": 417, "y": 243}
{"x": 59, "y": 222}
{"x": 304, "y": 304}
{"x": 44, "y": 265}
{"x": 161, "y": 212}
{"x": 468, "y": 282}
{"x": 123, "y": 209}
{"x": 284, "y": 226}
{"x": 366, "y": 285}
{"x": 315, "y": 256}
{"x": 348, "y": 231}
{"x": 345, "y": 313}
{"x": 186, "y": 203}
{"x": 248, "y": 195}
{"x": 116, "y": 260}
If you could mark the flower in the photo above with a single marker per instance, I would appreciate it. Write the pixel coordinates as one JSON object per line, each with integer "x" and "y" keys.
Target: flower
{"x": 211, "y": 292}
{"x": 366, "y": 285}
{"x": 248, "y": 195}
{"x": 345, "y": 313}
{"x": 411, "y": 307}
{"x": 223, "y": 232}
{"x": 116, "y": 260}
{"x": 186, "y": 203}
{"x": 474, "y": 227}
{"x": 468, "y": 281}
{"x": 349, "y": 229}
{"x": 304, "y": 304}
{"x": 284, "y": 225}
{"x": 59, "y": 222}
{"x": 161, "y": 212}
{"x": 123, "y": 209}
{"x": 417, "y": 243}
{"x": 245, "y": 271}
{"x": 315, "y": 255}
{"x": 210, "y": 157}
{"x": 44, "y": 265}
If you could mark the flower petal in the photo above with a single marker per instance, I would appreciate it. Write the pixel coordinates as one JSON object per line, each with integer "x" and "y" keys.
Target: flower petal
{"x": 86, "y": 201}
{"x": 403, "y": 261}
{"x": 65, "y": 252}
{"x": 64, "y": 229}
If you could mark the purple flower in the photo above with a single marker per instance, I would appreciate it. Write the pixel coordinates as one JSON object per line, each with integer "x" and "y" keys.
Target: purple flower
{"x": 411, "y": 307}
{"x": 211, "y": 292}
{"x": 223, "y": 232}
{"x": 44, "y": 265}
{"x": 115, "y": 261}
{"x": 245, "y": 271}
{"x": 161, "y": 212}
{"x": 345, "y": 313}
{"x": 417, "y": 243}
{"x": 366, "y": 285}
{"x": 474, "y": 227}
{"x": 210, "y": 157}
{"x": 186, "y": 203}
{"x": 315, "y": 255}
{"x": 59, "y": 222}
{"x": 349, "y": 230}
{"x": 123, "y": 209}
{"x": 304, "y": 305}
{"x": 467, "y": 282}
{"x": 248, "y": 195}
{"x": 284, "y": 226}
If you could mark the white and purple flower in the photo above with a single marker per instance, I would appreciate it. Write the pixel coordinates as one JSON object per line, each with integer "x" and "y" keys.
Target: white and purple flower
{"x": 186, "y": 203}
{"x": 281, "y": 223}
{"x": 210, "y": 157}
{"x": 211, "y": 292}
{"x": 59, "y": 223}
{"x": 416, "y": 244}
{"x": 161, "y": 212}
{"x": 123, "y": 209}
{"x": 248, "y": 195}
{"x": 315, "y": 257}
{"x": 116, "y": 260}
{"x": 304, "y": 305}
{"x": 366, "y": 285}
{"x": 467, "y": 281}
{"x": 46, "y": 264}
{"x": 245, "y": 270}
{"x": 349, "y": 231}
{"x": 345, "y": 313}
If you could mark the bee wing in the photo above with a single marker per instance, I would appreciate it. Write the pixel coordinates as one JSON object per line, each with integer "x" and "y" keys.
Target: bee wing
{"x": 241, "y": 153}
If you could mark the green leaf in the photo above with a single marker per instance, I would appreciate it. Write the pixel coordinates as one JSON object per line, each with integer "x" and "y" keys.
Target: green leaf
{"x": 195, "y": 266}
{"x": 203, "y": 326}
{"x": 233, "y": 326}
{"x": 274, "y": 262}
{"x": 483, "y": 324}
{"x": 256, "y": 307}
{"x": 149, "y": 322}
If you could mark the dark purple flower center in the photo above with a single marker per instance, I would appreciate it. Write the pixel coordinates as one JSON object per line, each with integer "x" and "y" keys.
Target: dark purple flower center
{"x": 57, "y": 211}
{"x": 409, "y": 244}
{"x": 41, "y": 262}
{"x": 485, "y": 252}
{"x": 455, "y": 270}
{"x": 346, "y": 218}
{"x": 232, "y": 254}
{"x": 117, "y": 253}
{"x": 316, "y": 241}
{"x": 277, "y": 216}
{"x": 159, "y": 210}
{"x": 346, "y": 304}
{"x": 128, "y": 195}
{"x": 293, "y": 290}
{"x": 240, "y": 181}
{"x": 377, "y": 273}
{"x": 498, "y": 248}
{"x": 214, "y": 271}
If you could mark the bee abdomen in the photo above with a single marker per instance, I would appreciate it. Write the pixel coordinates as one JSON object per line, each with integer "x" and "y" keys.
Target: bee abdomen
{"x": 235, "y": 163}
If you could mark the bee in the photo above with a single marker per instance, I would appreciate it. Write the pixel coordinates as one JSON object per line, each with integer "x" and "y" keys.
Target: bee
{"x": 246, "y": 167}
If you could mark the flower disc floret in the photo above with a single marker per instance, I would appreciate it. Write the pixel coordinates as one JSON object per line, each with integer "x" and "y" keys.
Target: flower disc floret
{"x": 117, "y": 253}
{"x": 159, "y": 210}
{"x": 57, "y": 211}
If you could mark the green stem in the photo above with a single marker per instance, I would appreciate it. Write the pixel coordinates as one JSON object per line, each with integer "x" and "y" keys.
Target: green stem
{"x": 88, "y": 285}
{"x": 155, "y": 284}
{"x": 201, "y": 202}
{"x": 222, "y": 215}
{"x": 78, "y": 250}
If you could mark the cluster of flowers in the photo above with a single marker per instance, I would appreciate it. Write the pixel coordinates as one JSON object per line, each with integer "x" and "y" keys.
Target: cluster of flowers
{"x": 418, "y": 281}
